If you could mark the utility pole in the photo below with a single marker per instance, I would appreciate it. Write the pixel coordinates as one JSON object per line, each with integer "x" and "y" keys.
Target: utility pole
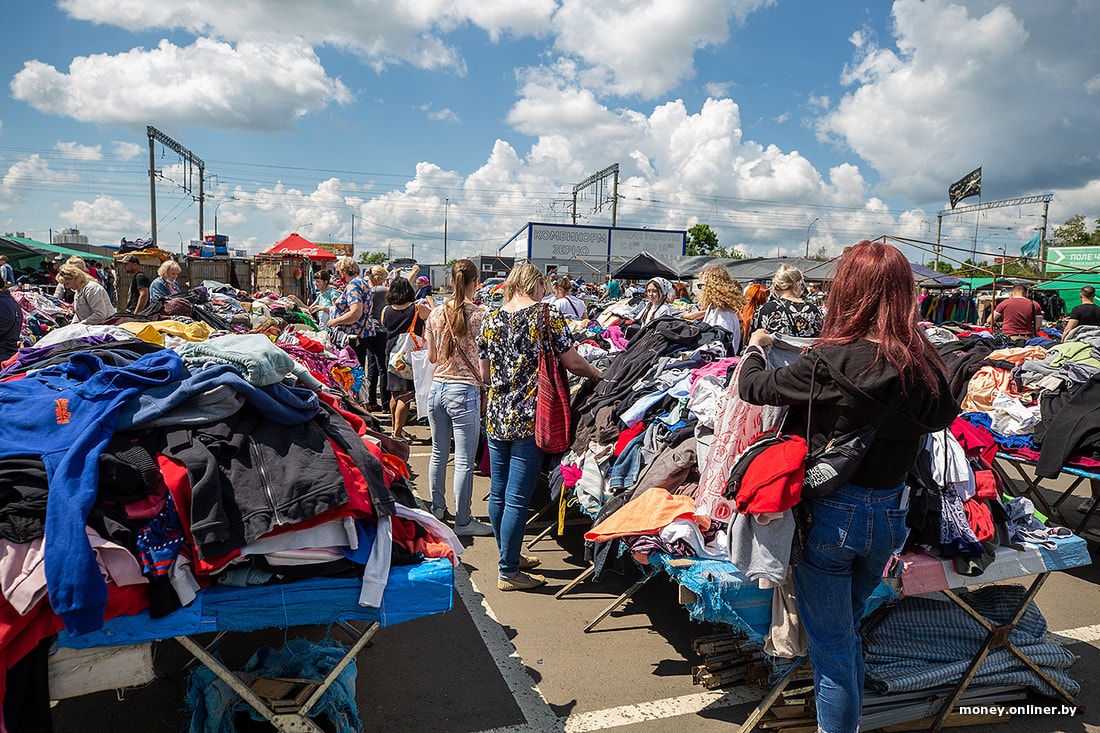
{"x": 446, "y": 210}
{"x": 816, "y": 220}
{"x": 192, "y": 161}
{"x": 597, "y": 179}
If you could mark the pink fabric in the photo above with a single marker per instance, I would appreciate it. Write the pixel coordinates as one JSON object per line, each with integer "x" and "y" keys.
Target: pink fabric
{"x": 614, "y": 334}
{"x": 714, "y": 369}
{"x": 570, "y": 475}
{"x": 737, "y": 423}
{"x": 1029, "y": 454}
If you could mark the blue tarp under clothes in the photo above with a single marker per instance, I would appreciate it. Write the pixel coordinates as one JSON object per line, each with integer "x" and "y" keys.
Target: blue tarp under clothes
{"x": 413, "y": 591}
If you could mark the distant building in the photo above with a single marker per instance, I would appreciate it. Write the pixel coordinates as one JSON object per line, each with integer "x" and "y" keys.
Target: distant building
{"x": 69, "y": 236}
{"x": 588, "y": 250}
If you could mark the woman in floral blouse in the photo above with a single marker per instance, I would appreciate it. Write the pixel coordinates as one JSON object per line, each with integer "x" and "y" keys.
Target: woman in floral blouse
{"x": 351, "y": 310}
{"x": 509, "y": 350}
{"x": 786, "y": 312}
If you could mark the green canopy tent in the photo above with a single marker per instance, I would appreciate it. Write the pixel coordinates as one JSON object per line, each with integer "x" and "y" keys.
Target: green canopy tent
{"x": 1069, "y": 286}
{"x": 22, "y": 248}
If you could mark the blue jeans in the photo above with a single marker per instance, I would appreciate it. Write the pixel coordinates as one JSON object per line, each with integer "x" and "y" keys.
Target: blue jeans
{"x": 855, "y": 530}
{"x": 453, "y": 408}
{"x": 514, "y": 467}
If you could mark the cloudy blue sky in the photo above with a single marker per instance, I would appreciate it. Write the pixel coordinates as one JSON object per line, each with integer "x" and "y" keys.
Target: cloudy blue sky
{"x": 766, "y": 119}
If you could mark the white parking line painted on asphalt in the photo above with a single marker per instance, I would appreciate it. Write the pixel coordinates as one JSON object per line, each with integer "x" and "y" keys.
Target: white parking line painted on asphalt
{"x": 660, "y": 709}
{"x": 538, "y": 714}
{"x": 540, "y": 717}
{"x": 1082, "y": 634}
{"x": 536, "y": 711}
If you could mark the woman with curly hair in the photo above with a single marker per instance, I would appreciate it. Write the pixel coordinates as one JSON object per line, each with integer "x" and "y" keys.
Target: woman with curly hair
{"x": 720, "y": 301}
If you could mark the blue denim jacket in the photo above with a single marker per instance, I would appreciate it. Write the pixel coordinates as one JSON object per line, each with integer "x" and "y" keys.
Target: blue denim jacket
{"x": 624, "y": 471}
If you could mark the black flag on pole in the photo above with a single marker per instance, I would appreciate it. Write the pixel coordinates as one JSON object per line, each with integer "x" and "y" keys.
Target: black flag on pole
{"x": 967, "y": 186}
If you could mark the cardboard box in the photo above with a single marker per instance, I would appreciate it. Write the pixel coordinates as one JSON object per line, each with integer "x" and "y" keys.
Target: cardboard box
{"x": 75, "y": 672}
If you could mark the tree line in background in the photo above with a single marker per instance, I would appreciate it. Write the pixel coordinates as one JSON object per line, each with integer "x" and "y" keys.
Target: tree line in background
{"x": 1073, "y": 232}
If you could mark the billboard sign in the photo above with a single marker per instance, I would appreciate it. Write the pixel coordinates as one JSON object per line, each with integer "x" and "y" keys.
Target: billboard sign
{"x": 627, "y": 243}
{"x": 561, "y": 242}
{"x": 1072, "y": 259}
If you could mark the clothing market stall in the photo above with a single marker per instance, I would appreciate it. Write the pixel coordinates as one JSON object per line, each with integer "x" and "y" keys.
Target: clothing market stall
{"x": 660, "y": 466}
{"x": 196, "y": 478}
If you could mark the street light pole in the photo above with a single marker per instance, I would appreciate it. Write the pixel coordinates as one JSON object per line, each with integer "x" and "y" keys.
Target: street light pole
{"x": 218, "y": 206}
{"x": 808, "y": 235}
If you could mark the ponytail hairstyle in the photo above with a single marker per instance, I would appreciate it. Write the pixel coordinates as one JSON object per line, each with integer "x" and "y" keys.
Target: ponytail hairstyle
{"x": 463, "y": 275}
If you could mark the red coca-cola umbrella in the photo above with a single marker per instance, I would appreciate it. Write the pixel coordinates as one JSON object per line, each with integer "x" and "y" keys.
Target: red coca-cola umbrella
{"x": 296, "y": 245}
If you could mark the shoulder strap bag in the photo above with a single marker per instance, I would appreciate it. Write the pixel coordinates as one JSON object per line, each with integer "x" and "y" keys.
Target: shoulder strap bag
{"x": 553, "y": 420}
{"x": 831, "y": 466}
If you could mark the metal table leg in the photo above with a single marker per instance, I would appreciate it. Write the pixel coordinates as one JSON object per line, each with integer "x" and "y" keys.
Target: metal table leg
{"x": 997, "y": 636}
{"x": 773, "y": 694}
{"x": 296, "y": 722}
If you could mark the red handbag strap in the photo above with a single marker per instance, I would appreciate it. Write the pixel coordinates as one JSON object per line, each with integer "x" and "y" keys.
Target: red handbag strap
{"x": 546, "y": 332}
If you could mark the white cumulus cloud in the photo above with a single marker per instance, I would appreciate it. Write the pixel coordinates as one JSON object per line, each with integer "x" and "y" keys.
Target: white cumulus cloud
{"x": 102, "y": 218}
{"x": 255, "y": 86}
{"x": 27, "y": 175}
{"x": 125, "y": 150}
{"x": 75, "y": 151}
{"x": 969, "y": 84}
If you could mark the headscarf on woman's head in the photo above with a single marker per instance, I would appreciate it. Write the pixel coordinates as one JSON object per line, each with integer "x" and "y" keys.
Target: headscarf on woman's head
{"x": 665, "y": 287}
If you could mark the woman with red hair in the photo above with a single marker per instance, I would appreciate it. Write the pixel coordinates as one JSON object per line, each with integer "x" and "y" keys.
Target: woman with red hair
{"x": 871, "y": 348}
{"x": 755, "y": 296}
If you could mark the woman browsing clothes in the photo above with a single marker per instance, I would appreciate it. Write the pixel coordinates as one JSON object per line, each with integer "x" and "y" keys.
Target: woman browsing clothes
{"x": 378, "y": 394}
{"x": 166, "y": 284}
{"x": 91, "y": 304}
{"x": 351, "y": 310}
{"x": 871, "y": 348}
{"x": 401, "y": 314}
{"x": 509, "y": 350}
{"x": 786, "y": 312}
{"x": 720, "y": 302}
{"x": 454, "y": 401}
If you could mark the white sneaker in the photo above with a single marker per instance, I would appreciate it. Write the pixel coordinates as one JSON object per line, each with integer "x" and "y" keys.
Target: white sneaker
{"x": 474, "y": 529}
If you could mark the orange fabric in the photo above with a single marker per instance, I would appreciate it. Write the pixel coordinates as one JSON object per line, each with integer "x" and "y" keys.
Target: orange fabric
{"x": 989, "y": 380}
{"x": 648, "y": 513}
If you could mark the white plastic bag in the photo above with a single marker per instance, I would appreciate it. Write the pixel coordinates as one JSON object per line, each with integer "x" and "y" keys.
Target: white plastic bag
{"x": 423, "y": 372}
{"x": 399, "y": 361}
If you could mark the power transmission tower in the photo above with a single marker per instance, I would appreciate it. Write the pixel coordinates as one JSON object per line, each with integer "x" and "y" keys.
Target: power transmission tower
{"x": 192, "y": 161}
{"x": 598, "y": 179}
{"x": 1043, "y": 199}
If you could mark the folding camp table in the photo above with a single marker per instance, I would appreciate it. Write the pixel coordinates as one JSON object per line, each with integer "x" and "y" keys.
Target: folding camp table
{"x": 412, "y": 591}
{"x": 923, "y": 573}
{"x": 1032, "y": 486}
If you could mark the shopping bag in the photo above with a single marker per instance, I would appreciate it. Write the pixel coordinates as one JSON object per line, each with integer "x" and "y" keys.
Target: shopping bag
{"x": 423, "y": 372}
{"x": 400, "y": 358}
{"x": 553, "y": 420}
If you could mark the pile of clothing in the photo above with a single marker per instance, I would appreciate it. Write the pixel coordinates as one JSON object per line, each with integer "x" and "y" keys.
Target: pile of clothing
{"x": 157, "y": 472}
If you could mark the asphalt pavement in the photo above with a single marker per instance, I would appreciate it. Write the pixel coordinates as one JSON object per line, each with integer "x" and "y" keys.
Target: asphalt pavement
{"x": 520, "y": 661}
